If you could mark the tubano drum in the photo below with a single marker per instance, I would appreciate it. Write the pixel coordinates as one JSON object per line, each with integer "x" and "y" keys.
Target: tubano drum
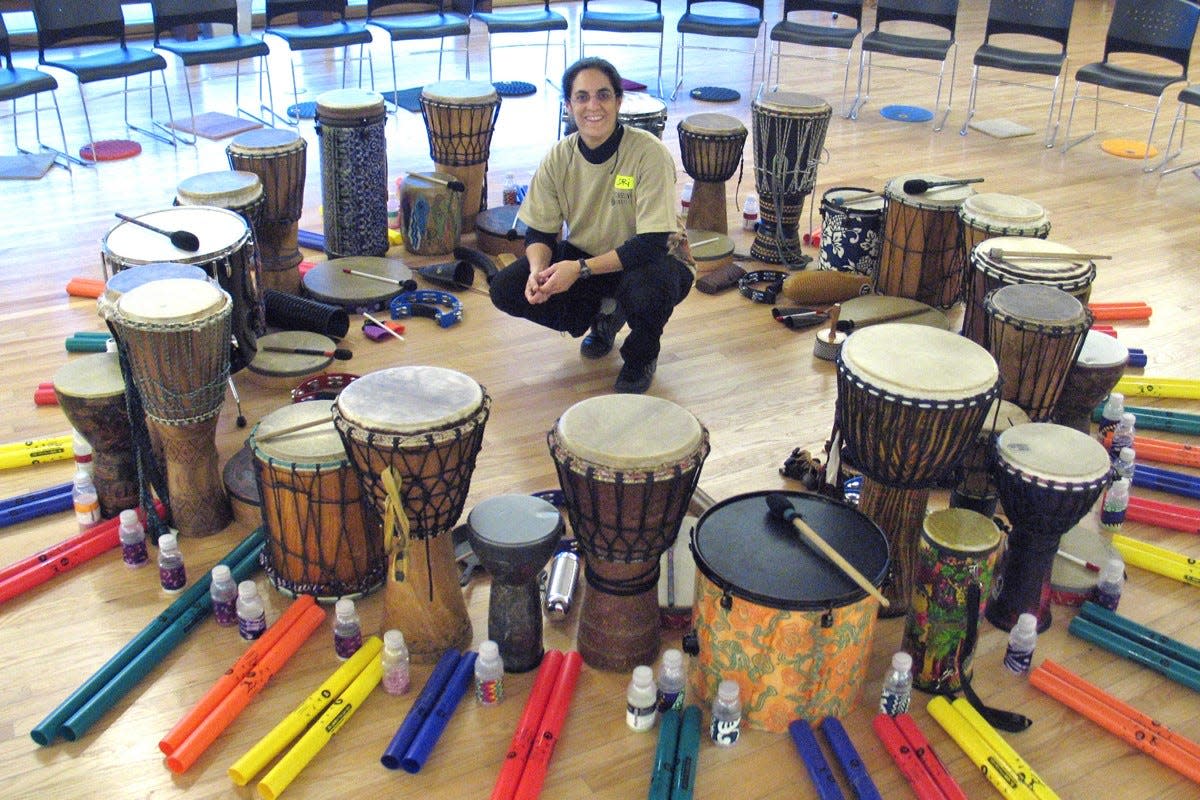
{"x": 431, "y": 213}
{"x": 313, "y": 508}
{"x": 497, "y": 230}
{"x": 850, "y": 230}
{"x": 1095, "y": 373}
{"x": 349, "y": 125}
{"x": 919, "y": 256}
{"x": 987, "y": 215}
{"x": 1048, "y": 477}
{"x": 277, "y": 157}
{"x": 710, "y": 147}
{"x": 628, "y": 465}
{"x": 175, "y": 334}
{"x": 460, "y": 117}
{"x": 514, "y": 536}
{"x": 788, "y": 135}
{"x": 958, "y": 548}
{"x": 911, "y": 401}
{"x": 777, "y": 617}
{"x": 412, "y": 435}
{"x": 974, "y": 486}
{"x": 91, "y": 392}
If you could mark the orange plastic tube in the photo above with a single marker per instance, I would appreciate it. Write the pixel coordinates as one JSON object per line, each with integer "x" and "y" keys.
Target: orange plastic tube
{"x": 1108, "y": 312}
{"x": 553, "y": 720}
{"x": 527, "y": 727}
{"x": 85, "y": 287}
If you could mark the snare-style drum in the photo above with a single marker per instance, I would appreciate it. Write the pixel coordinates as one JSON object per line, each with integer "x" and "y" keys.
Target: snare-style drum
{"x": 974, "y": 487}
{"x": 958, "y": 548}
{"x": 789, "y": 133}
{"x": 1073, "y": 585}
{"x": 1035, "y": 333}
{"x": 850, "y": 231}
{"x": 638, "y": 110}
{"x": 918, "y": 258}
{"x": 226, "y": 253}
{"x": 431, "y": 213}
{"x": 1095, "y": 373}
{"x": 350, "y": 126}
{"x": 497, "y": 230}
{"x": 175, "y": 334}
{"x": 277, "y": 157}
{"x": 710, "y": 147}
{"x": 987, "y": 273}
{"x": 776, "y": 616}
{"x": 911, "y": 400}
{"x": 313, "y": 508}
{"x": 424, "y": 425}
{"x": 91, "y": 392}
{"x": 710, "y": 250}
{"x": 1048, "y": 477}
{"x": 627, "y": 465}
{"x": 460, "y": 117}
{"x": 987, "y": 215}
{"x": 329, "y": 283}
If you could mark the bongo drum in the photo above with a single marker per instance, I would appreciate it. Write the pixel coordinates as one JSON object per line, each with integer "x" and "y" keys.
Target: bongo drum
{"x": 710, "y": 250}
{"x": 175, "y": 334}
{"x": 1070, "y": 584}
{"x": 789, "y": 134}
{"x": 91, "y": 392}
{"x": 1048, "y": 477}
{"x": 1095, "y": 373}
{"x": 986, "y": 215}
{"x": 350, "y": 127}
{"x": 226, "y": 254}
{"x": 958, "y": 548}
{"x": 431, "y": 213}
{"x": 627, "y": 465}
{"x": 313, "y": 508}
{"x": 460, "y": 117}
{"x": 920, "y": 242}
{"x": 1035, "y": 334}
{"x": 974, "y": 488}
{"x": 710, "y": 146}
{"x": 638, "y": 110}
{"x": 514, "y": 536}
{"x": 277, "y": 370}
{"x": 774, "y": 615}
{"x": 128, "y": 278}
{"x": 497, "y": 230}
{"x": 329, "y": 283}
{"x": 277, "y": 157}
{"x": 911, "y": 400}
{"x": 986, "y": 273}
{"x": 850, "y": 231}
{"x": 425, "y": 424}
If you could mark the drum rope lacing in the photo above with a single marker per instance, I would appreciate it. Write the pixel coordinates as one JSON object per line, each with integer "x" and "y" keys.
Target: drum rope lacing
{"x": 781, "y": 178}
{"x": 459, "y": 148}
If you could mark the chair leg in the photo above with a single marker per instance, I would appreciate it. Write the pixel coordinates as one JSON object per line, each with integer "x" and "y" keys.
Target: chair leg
{"x": 168, "y": 135}
{"x": 950, "y": 94}
{"x": 1067, "y": 143}
{"x": 1146, "y": 165}
{"x": 1051, "y": 123}
{"x": 971, "y": 101}
{"x": 860, "y": 100}
{"x": 1181, "y": 113}
{"x": 659, "y": 78}
{"x": 678, "y": 68}
{"x": 845, "y": 84}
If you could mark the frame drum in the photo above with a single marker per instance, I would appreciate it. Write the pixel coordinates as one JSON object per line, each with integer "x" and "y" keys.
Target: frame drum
{"x": 710, "y": 250}
{"x": 710, "y": 146}
{"x": 277, "y": 157}
{"x": 850, "y": 231}
{"x": 460, "y": 117}
{"x": 918, "y": 258}
{"x": 283, "y": 370}
{"x": 328, "y": 283}
{"x": 1095, "y": 373}
{"x": 1070, "y": 584}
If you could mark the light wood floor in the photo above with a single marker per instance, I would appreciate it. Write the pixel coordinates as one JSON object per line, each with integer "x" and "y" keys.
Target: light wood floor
{"x": 754, "y": 384}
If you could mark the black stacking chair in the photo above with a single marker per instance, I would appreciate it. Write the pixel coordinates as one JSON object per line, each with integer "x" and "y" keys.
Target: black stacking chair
{"x": 405, "y": 21}
{"x": 619, "y": 17}
{"x": 1163, "y": 29}
{"x": 710, "y": 18}
{"x": 522, "y": 21}
{"x": 916, "y": 17}
{"x": 806, "y": 31}
{"x": 16, "y": 83}
{"x": 1188, "y": 97}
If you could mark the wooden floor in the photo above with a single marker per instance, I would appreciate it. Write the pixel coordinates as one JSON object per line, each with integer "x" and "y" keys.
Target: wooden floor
{"x": 753, "y": 383}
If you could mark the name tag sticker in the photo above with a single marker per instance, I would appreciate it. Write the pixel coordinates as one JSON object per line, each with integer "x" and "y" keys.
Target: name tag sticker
{"x": 624, "y": 182}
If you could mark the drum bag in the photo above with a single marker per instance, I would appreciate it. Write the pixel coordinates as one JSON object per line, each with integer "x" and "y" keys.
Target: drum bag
{"x": 822, "y": 287}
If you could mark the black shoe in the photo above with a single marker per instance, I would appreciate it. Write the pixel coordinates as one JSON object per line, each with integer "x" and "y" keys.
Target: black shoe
{"x": 635, "y": 378}
{"x": 599, "y": 342}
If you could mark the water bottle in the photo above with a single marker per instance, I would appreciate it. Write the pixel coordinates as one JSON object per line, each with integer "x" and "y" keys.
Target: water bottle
{"x": 560, "y": 584}
{"x": 1124, "y": 466}
{"x": 252, "y": 617}
{"x": 685, "y": 198}
{"x": 641, "y": 700}
{"x": 1114, "y": 407}
{"x": 224, "y": 592}
{"x": 394, "y": 657}
{"x": 87, "y": 502}
{"x": 171, "y": 572}
{"x": 1122, "y": 436}
{"x": 1112, "y": 580}
{"x": 897, "y": 686}
{"x": 1116, "y": 503}
{"x": 1018, "y": 656}
{"x": 347, "y": 629}
{"x": 393, "y": 211}
{"x": 726, "y": 714}
{"x": 671, "y": 681}
{"x": 133, "y": 539}
{"x": 510, "y": 191}
{"x": 82, "y": 451}
{"x": 489, "y": 674}
{"x": 750, "y": 214}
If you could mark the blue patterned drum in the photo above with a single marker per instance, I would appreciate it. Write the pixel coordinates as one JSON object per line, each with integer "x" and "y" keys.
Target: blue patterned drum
{"x": 350, "y": 126}
{"x": 850, "y": 230}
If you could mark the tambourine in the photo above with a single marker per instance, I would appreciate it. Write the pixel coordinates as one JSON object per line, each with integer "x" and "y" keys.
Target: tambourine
{"x": 424, "y": 303}
{"x": 323, "y": 387}
{"x": 773, "y": 278}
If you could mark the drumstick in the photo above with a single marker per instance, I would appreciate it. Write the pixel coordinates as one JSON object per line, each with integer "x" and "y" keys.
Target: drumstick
{"x": 454, "y": 186}
{"x": 845, "y": 201}
{"x": 381, "y": 325}
{"x": 341, "y": 353}
{"x": 381, "y": 278}
{"x": 1002, "y": 254}
{"x": 848, "y": 325}
{"x": 1074, "y": 559}
{"x": 921, "y": 186}
{"x": 184, "y": 240}
{"x": 703, "y": 242}
{"x": 299, "y": 426}
{"x": 782, "y": 508}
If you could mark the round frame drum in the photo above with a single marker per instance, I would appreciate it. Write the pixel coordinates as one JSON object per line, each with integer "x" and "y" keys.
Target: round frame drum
{"x": 313, "y": 508}
{"x": 283, "y": 370}
{"x": 350, "y": 127}
{"x": 710, "y": 250}
{"x": 918, "y": 258}
{"x": 850, "y": 231}
{"x": 278, "y": 157}
{"x": 497, "y": 230}
{"x": 628, "y": 465}
{"x": 1095, "y": 373}
{"x": 460, "y": 118}
{"x": 710, "y": 147}
{"x": 876, "y": 309}
{"x": 328, "y": 283}
{"x": 431, "y": 213}
{"x": 1070, "y": 584}
{"x": 775, "y": 616}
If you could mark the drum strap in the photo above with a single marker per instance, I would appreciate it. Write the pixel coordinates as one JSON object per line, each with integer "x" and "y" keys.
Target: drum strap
{"x": 1004, "y": 720}
{"x": 395, "y": 527}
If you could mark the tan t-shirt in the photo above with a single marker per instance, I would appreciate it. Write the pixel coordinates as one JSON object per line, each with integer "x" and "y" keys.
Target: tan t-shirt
{"x": 604, "y": 205}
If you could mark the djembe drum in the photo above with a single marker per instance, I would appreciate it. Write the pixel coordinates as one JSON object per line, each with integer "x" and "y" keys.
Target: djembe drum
{"x": 918, "y": 257}
{"x": 431, "y": 213}
{"x": 277, "y": 157}
{"x": 423, "y": 426}
{"x": 460, "y": 117}
{"x": 237, "y": 190}
{"x": 1095, "y": 373}
{"x": 1035, "y": 334}
{"x": 313, "y": 508}
{"x": 789, "y": 133}
{"x": 175, "y": 334}
{"x": 130, "y": 277}
{"x": 514, "y": 536}
{"x": 350, "y": 127}
{"x": 91, "y": 392}
{"x": 987, "y": 215}
{"x": 850, "y": 230}
{"x": 1048, "y": 476}
{"x": 627, "y": 465}
{"x": 911, "y": 400}
{"x": 974, "y": 488}
{"x": 710, "y": 146}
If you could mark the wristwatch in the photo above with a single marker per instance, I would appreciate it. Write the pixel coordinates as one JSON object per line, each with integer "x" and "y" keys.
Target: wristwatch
{"x": 584, "y": 270}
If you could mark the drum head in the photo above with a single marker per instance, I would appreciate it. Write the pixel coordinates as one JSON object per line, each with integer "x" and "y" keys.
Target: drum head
{"x": 328, "y": 283}
{"x": 713, "y": 246}
{"x": 746, "y": 550}
{"x": 219, "y": 231}
{"x": 411, "y": 399}
{"x": 830, "y": 201}
{"x": 500, "y": 220}
{"x": 941, "y": 197}
{"x": 349, "y": 104}
{"x": 709, "y": 124}
{"x": 228, "y": 189}
{"x": 919, "y": 362}
{"x": 1071, "y": 584}
{"x": 174, "y": 301}
{"x": 467, "y": 93}
{"x": 514, "y": 522}
{"x": 1001, "y": 416}
{"x": 961, "y": 531}
{"x": 1053, "y": 453}
{"x": 791, "y": 103}
{"x": 994, "y": 210}
{"x": 266, "y": 141}
{"x": 93, "y": 376}
{"x": 121, "y": 282}
{"x": 1037, "y": 303}
{"x": 629, "y": 431}
{"x": 315, "y": 446}
{"x": 865, "y": 309}
{"x": 291, "y": 365}
{"x": 1101, "y": 351}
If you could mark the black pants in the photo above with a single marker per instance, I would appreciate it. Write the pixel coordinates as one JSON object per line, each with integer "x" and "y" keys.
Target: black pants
{"x": 645, "y": 293}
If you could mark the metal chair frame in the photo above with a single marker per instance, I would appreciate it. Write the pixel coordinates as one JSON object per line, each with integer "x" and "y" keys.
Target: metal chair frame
{"x": 416, "y": 26}
{"x": 688, "y": 19}
{"x": 522, "y": 22}
{"x": 17, "y": 82}
{"x": 808, "y": 34}
{"x": 1190, "y": 96}
{"x": 616, "y": 21}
